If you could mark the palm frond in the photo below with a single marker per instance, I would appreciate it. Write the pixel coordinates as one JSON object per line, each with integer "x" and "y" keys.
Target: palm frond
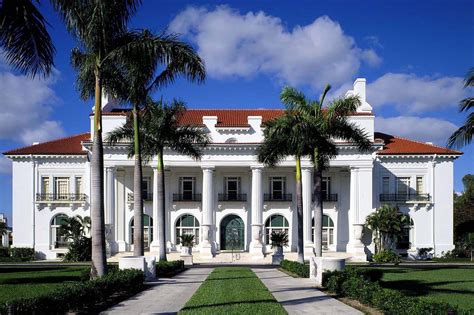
{"x": 462, "y": 136}
{"x": 469, "y": 78}
{"x": 25, "y": 39}
{"x": 466, "y": 104}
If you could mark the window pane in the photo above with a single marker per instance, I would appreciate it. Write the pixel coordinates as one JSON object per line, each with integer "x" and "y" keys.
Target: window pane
{"x": 277, "y": 221}
{"x": 78, "y": 185}
{"x": 403, "y": 185}
{"x": 419, "y": 185}
{"x": 45, "y": 185}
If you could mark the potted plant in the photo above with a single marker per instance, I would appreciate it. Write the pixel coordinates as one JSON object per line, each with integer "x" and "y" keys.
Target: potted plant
{"x": 187, "y": 242}
{"x": 278, "y": 240}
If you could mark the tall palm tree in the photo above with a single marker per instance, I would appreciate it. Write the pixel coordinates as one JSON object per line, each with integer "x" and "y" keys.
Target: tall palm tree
{"x": 286, "y": 136}
{"x": 160, "y": 128}
{"x": 140, "y": 80}
{"x": 24, "y": 38}
{"x": 100, "y": 29}
{"x": 463, "y": 136}
{"x": 323, "y": 126}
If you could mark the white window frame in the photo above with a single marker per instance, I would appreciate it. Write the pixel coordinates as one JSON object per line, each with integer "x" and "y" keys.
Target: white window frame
{"x": 195, "y": 229}
{"x": 270, "y": 229}
{"x": 420, "y": 179}
{"x": 282, "y": 180}
{"x": 326, "y": 182}
{"x": 231, "y": 179}
{"x": 58, "y": 194}
{"x": 400, "y": 181}
{"x": 184, "y": 179}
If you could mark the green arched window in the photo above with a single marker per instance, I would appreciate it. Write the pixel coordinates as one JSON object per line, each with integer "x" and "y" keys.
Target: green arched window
{"x": 187, "y": 224}
{"x": 275, "y": 222}
{"x": 57, "y": 240}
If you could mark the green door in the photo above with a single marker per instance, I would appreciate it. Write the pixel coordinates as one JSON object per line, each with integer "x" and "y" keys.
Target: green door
{"x": 232, "y": 233}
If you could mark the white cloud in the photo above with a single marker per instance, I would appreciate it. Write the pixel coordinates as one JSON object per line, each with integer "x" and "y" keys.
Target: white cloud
{"x": 5, "y": 165}
{"x": 424, "y": 129}
{"x": 25, "y": 107}
{"x": 415, "y": 94}
{"x": 244, "y": 45}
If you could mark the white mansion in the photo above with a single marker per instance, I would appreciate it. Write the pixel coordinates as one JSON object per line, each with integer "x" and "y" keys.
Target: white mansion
{"x": 229, "y": 200}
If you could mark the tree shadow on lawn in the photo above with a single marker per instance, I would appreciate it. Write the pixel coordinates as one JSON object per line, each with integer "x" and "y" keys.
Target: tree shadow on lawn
{"x": 196, "y": 307}
{"x": 50, "y": 279}
{"x": 28, "y": 269}
{"x": 420, "y": 288}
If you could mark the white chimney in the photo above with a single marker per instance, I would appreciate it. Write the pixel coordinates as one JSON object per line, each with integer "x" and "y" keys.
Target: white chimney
{"x": 359, "y": 90}
{"x": 35, "y": 143}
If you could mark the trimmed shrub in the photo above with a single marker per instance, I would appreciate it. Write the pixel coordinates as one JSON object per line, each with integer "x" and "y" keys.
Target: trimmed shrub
{"x": 4, "y": 252}
{"x": 79, "y": 250}
{"x": 86, "y": 273}
{"x": 363, "y": 285}
{"x": 169, "y": 268}
{"x": 23, "y": 253}
{"x": 386, "y": 256}
{"x": 83, "y": 297}
{"x": 297, "y": 268}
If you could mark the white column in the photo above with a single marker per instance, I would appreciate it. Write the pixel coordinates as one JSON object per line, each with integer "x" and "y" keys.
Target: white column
{"x": 256, "y": 245}
{"x": 110, "y": 206}
{"x": 307, "y": 181}
{"x": 155, "y": 244}
{"x": 121, "y": 225}
{"x": 207, "y": 227}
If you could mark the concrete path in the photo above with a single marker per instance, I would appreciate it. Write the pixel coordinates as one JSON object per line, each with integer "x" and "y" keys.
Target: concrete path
{"x": 166, "y": 296}
{"x": 299, "y": 296}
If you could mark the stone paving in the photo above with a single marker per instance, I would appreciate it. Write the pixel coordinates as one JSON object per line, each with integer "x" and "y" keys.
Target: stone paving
{"x": 299, "y": 296}
{"x": 166, "y": 296}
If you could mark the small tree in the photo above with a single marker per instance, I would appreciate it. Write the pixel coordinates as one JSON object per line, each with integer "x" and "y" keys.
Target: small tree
{"x": 76, "y": 230}
{"x": 387, "y": 225}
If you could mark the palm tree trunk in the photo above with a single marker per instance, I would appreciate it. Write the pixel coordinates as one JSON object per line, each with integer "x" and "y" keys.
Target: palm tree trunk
{"x": 99, "y": 263}
{"x": 299, "y": 211}
{"x": 138, "y": 249}
{"x": 161, "y": 206}
{"x": 318, "y": 207}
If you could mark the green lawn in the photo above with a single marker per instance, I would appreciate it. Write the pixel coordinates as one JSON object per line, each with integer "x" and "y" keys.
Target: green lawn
{"x": 16, "y": 282}
{"x": 232, "y": 290}
{"x": 451, "y": 285}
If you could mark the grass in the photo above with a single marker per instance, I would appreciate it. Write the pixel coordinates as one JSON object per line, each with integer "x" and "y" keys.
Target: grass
{"x": 232, "y": 290}
{"x": 453, "y": 285}
{"x": 17, "y": 282}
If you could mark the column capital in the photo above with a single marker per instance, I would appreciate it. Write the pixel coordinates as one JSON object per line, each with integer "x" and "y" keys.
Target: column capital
{"x": 110, "y": 168}
{"x": 257, "y": 168}
{"x": 208, "y": 168}
{"x": 307, "y": 169}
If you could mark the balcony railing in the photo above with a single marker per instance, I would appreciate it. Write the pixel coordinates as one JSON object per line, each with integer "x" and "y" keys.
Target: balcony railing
{"x": 277, "y": 197}
{"x": 232, "y": 197}
{"x": 61, "y": 197}
{"x": 146, "y": 197}
{"x": 328, "y": 197}
{"x": 404, "y": 197}
{"x": 187, "y": 197}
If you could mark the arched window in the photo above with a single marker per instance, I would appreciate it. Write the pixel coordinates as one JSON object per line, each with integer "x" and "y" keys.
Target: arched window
{"x": 147, "y": 230}
{"x": 328, "y": 232}
{"x": 187, "y": 224}
{"x": 231, "y": 140}
{"x": 406, "y": 238}
{"x": 275, "y": 222}
{"x": 57, "y": 240}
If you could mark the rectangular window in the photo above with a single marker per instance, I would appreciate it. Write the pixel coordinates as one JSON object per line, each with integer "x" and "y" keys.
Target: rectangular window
{"x": 278, "y": 187}
{"x": 232, "y": 187}
{"x": 419, "y": 185}
{"x": 78, "y": 185}
{"x": 45, "y": 185}
{"x": 146, "y": 188}
{"x": 61, "y": 188}
{"x": 187, "y": 187}
{"x": 326, "y": 187}
{"x": 385, "y": 185}
{"x": 403, "y": 185}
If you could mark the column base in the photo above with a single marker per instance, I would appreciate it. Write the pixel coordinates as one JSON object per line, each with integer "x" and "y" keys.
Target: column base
{"x": 309, "y": 249}
{"x": 122, "y": 246}
{"x": 207, "y": 251}
{"x": 256, "y": 249}
{"x": 357, "y": 251}
{"x": 154, "y": 247}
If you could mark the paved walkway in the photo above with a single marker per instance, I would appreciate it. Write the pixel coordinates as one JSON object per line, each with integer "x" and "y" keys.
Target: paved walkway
{"x": 167, "y": 296}
{"x": 299, "y": 296}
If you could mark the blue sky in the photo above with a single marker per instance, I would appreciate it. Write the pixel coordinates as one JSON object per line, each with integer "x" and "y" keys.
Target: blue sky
{"x": 414, "y": 55}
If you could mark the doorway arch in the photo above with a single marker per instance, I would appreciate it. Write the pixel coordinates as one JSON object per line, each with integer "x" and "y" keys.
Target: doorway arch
{"x": 232, "y": 233}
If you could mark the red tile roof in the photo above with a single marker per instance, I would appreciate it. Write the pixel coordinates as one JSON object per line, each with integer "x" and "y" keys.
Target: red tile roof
{"x": 400, "y": 146}
{"x": 229, "y": 117}
{"x": 65, "y": 146}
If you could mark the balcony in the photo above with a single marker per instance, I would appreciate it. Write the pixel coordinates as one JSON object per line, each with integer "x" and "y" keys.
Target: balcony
{"x": 61, "y": 198}
{"x": 277, "y": 197}
{"x": 232, "y": 197}
{"x": 328, "y": 198}
{"x": 187, "y": 197}
{"x": 405, "y": 197}
{"x": 146, "y": 197}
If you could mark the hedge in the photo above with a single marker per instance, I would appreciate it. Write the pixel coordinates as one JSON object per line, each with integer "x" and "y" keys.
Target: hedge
{"x": 169, "y": 268}
{"x": 23, "y": 253}
{"x": 297, "y": 268}
{"x": 83, "y": 297}
{"x": 363, "y": 285}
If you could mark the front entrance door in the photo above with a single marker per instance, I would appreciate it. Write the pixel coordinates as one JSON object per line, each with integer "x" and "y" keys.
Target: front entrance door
{"x": 232, "y": 233}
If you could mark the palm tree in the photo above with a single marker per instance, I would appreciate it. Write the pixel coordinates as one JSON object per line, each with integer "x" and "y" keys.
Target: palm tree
{"x": 463, "y": 136}
{"x": 100, "y": 28}
{"x": 24, "y": 38}
{"x": 286, "y": 136}
{"x": 160, "y": 128}
{"x": 75, "y": 227}
{"x": 324, "y": 125}
{"x": 139, "y": 81}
